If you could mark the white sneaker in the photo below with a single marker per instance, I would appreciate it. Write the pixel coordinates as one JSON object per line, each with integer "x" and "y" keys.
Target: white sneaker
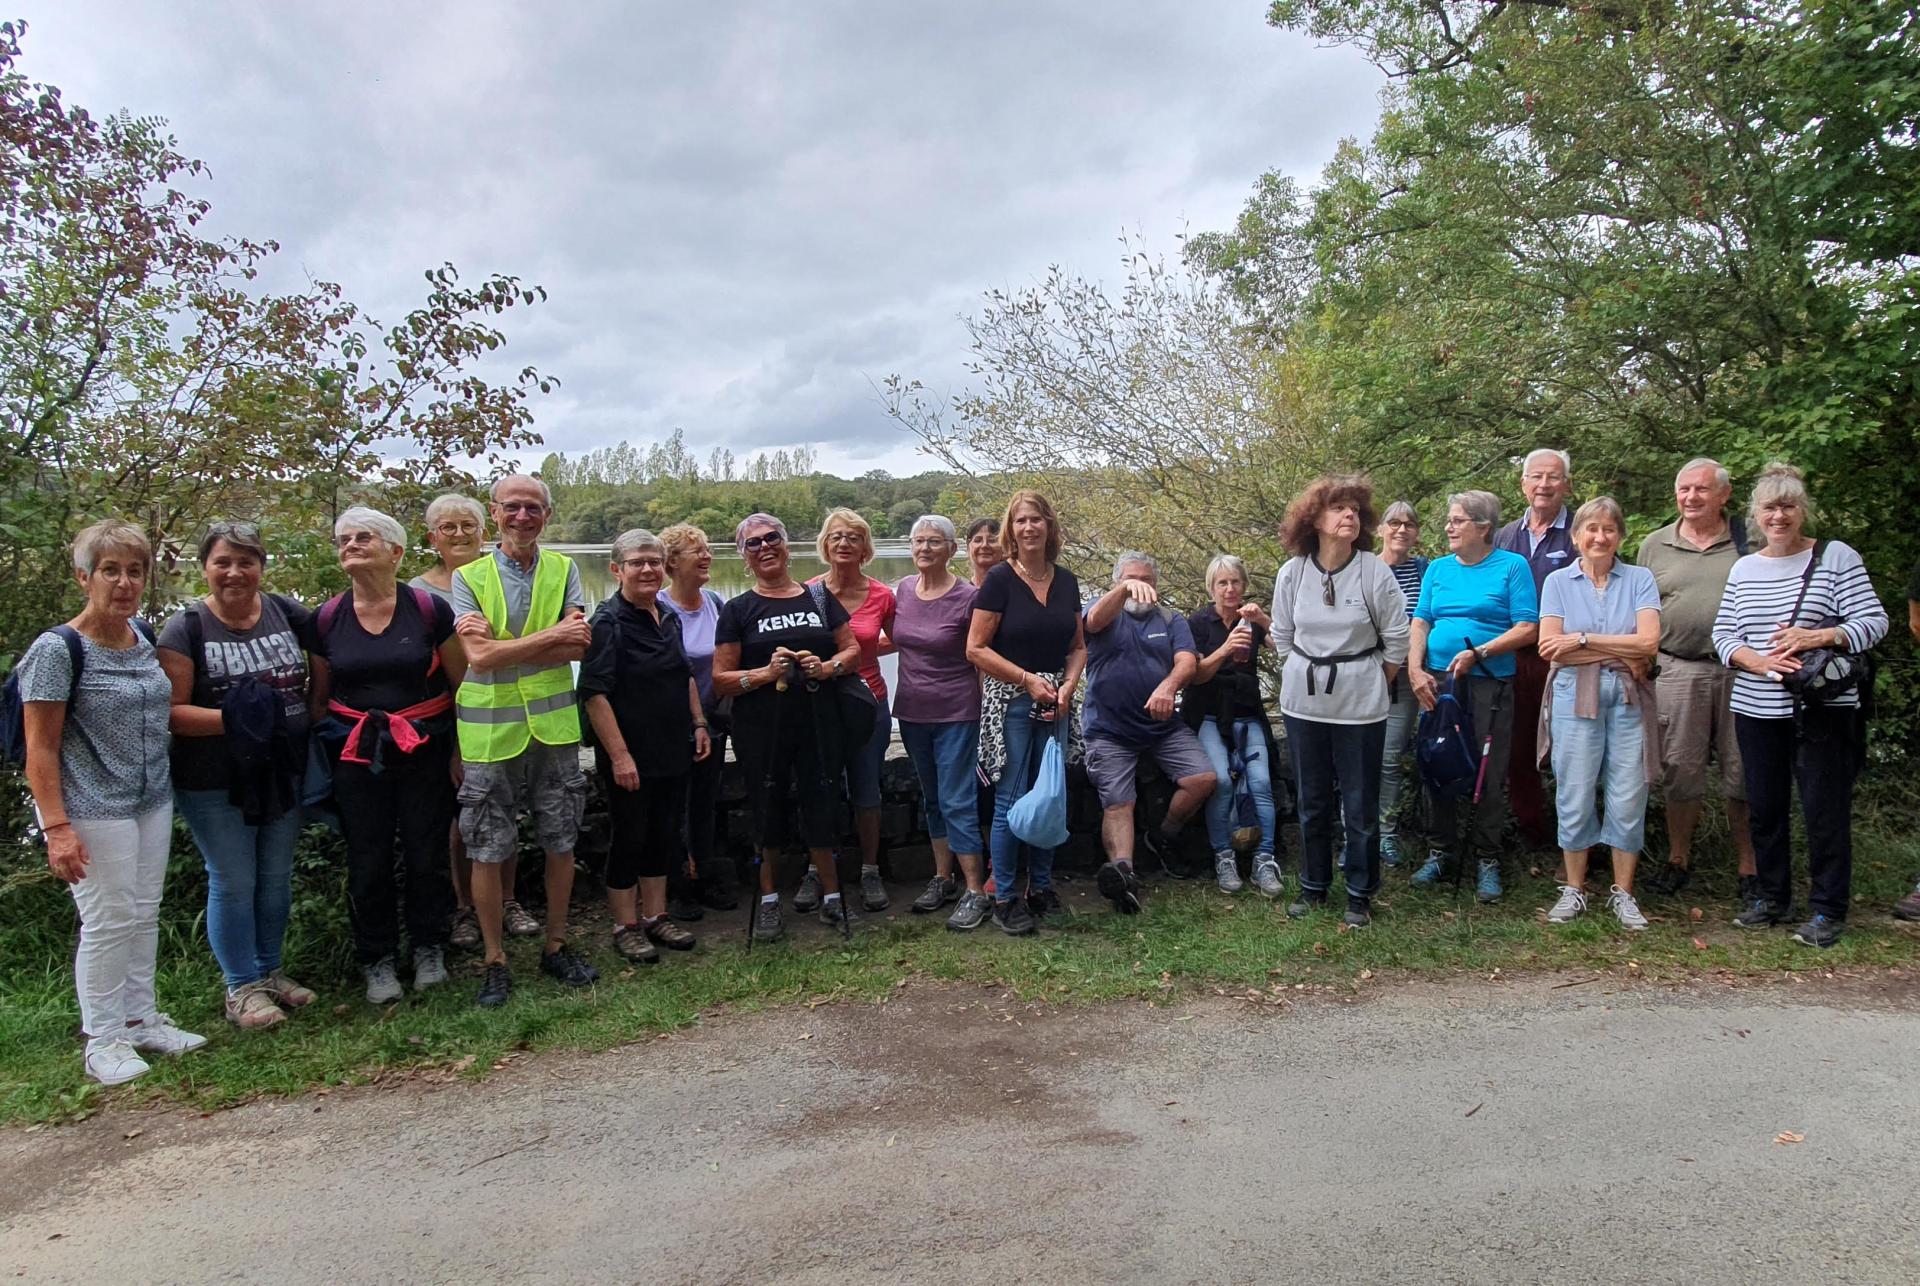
{"x": 1572, "y": 904}
{"x": 1266, "y": 878}
{"x": 1226, "y": 869}
{"x": 1625, "y": 909}
{"x": 114, "y": 1061}
{"x": 158, "y": 1035}
{"x": 383, "y": 984}
{"x": 429, "y": 967}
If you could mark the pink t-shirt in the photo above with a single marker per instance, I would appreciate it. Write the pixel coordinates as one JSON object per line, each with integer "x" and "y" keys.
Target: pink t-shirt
{"x": 937, "y": 683}
{"x": 875, "y": 615}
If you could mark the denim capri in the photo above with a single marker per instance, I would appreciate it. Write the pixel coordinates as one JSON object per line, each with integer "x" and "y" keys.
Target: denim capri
{"x": 944, "y": 756}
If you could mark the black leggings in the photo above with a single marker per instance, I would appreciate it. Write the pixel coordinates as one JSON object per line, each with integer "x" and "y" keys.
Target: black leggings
{"x": 795, "y": 764}
{"x": 408, "y": 805}
{"x": 703, "y": 799}
{"x": 645, "y": 843}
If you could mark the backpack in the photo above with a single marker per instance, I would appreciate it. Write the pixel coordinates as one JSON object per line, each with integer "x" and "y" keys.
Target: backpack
{"x": 13, "y": 715}
{"x": 1444, "y": 747}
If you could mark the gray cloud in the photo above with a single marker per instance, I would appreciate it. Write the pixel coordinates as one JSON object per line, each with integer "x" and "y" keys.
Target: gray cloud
{"x": 742, "y": 213}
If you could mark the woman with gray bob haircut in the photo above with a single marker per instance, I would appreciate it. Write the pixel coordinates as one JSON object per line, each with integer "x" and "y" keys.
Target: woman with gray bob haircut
{"x": 1399, "y": 533}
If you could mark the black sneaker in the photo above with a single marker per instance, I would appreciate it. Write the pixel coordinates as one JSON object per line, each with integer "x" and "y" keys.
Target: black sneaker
{"x": 1760, "y": 914}
{"x": 568, "y": 968}
{"x": 1670, "y": 879}
{"x": 1359, "y": 912}
{"x": 1306, "y": 904}
{"x": 1821, "y": 931}
{"x": 1045, "y": 904}
{"x": 1749, "y": 889}
{"x": 496, "y": 984}
{"x": 1011, "y": 918}
{"x": 1159, "y": 846}
{"x": 1119, "y": 885}
{"x": 684, "y": 906}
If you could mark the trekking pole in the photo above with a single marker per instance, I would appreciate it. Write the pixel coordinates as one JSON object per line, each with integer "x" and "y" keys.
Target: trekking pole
{"x": 1480, "y": 777}
{"x": 819, "y": 768}
{"x": 766, "y": 801}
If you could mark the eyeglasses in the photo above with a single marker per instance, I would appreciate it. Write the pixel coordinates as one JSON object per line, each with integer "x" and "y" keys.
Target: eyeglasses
{"x": 532, "y": 508}
{"x": 1326, "y": 589}
{"x": 1543, "y": 477}
{"x": 843, "y": 538}
{"x": 928, "y": 542}
{"x": 348, "y": 539}
{"x": 1453, "y": 522}
{"x": 1402, "y": 522}
{"x": 770, "y": 540}
{"x": 457, "y": 529}
{"x": 641, "y": 564}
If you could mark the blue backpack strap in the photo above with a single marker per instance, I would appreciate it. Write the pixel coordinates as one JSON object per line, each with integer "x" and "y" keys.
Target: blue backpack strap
{"x": 76, "y": 656}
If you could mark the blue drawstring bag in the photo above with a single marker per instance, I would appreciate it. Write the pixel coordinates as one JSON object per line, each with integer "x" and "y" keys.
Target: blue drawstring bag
{"x": 1444, "y": 747}
{"x": 1040, "y": 816}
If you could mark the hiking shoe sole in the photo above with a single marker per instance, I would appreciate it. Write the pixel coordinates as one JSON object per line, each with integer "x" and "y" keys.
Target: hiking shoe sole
{"x": 1119, "y": 888}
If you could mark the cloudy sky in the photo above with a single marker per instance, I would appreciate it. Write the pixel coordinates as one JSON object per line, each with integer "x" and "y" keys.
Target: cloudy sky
{"x": 745, "y": 214}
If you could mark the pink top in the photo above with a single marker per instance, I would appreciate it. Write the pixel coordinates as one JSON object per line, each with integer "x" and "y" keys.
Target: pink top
{"x": 875, "y": 615}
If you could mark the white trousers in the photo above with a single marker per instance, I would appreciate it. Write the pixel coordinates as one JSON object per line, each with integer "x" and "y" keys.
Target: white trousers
{"x": 119, "y": 903}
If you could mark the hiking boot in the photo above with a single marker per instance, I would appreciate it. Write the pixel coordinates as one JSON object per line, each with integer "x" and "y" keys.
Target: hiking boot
{"x": 496, "y": 984}
{"x": 465, "y": 931}
{"x": 972, "y": 910}
{"x": 1670, "y": 879}
{"x": 1908, "y": 907}
{"x": 768, "y": 923}
{"x": 1625, "y": 909}
{"x": 429, "y": 967}
{"x": 383, "y": 984}
{"x": 873, "y": 893}
{"x": 666, "y": 933}
{"x": 115, "y": 1061}
{"x": 1119, "y": 885}
{"x": 1267, "y": 878}
{"x": 251, "y": 1007}
{"x": 1159, "y": 846}
{"x": 287, "y": 993}
{"x": 806, "y": 898}
{"x": 1011, "y": 918}
{"x": 631, "y": 943}
{"x": 940, "y": 890}
{"x": 1307, "y": 903}
{"x": 1359, "y": 912}
{"x": 1434, "y": 869}
{"x": 518, "y": 923}
{"x": 1760, "y": 914}
{"x": 1571, "y": 906}
{"x": 565, "y": 967}
{"x": 159, "y": 1035}
{"x": 836, "y": 914}
{"x": 1389, "y": 850}
{"x": 1044, "y": 905}
{"x": 1226, "y": 871}
{"x": 1822, "y": 931}
{"x": 1487, "y": 888}
{"x": 685, "y": 906}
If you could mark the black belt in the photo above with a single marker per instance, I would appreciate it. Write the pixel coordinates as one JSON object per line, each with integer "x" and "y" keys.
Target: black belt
{"x": 1679, "y": 656}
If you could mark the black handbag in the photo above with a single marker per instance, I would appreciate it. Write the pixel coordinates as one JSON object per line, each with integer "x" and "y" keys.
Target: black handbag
{"x": 1825, "y": 673}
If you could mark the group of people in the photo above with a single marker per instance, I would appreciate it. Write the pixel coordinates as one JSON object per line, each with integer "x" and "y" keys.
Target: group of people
{"x": 431, "y": 714}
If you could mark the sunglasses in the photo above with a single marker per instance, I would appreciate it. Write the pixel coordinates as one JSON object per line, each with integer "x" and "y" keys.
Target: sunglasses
{"x": 349, "y": 539}
{"x": 772, "y": 539}
{"x": 243, "y": 531}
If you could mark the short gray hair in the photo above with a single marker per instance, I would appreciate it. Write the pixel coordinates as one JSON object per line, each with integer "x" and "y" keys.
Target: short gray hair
{"x": 1601, "y": 507}
{"x": 465, "y": 504}
{"x": 1133, "y": 558}
{"x": 1721, "y": 478}
{"x": 546, "y": 492}
{"x": 1226, "y": 563}
{"x": 758, "y": 520}
{"x": 362, "y": 518}
{"x": 944, "y": 526}
{"x": 1400, "y": 509}
{"x": 632, "y": 542}
{"x": 1481, "y": 507}
{"x": 1780, "y": 483}
{"x": 1566, "y": 462}
{"x": 110, "y": 533}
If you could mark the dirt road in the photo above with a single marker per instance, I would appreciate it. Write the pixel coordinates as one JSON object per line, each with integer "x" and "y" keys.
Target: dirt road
{"x": 1460, "y": 1132}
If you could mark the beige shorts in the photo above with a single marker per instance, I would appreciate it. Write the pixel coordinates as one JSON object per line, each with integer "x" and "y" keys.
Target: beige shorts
{"x": 1696, "y": 723}
{"x": 544, "y": 780}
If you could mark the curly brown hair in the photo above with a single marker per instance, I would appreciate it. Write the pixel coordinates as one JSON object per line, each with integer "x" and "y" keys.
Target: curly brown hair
{"x": 1299, "y": 530}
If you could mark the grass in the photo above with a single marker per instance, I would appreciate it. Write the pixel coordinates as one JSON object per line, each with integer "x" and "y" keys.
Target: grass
{"x": 1191, "y": 938}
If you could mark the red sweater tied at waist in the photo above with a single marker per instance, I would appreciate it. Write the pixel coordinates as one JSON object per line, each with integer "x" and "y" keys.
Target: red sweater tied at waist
{"x": 399, "y": 725}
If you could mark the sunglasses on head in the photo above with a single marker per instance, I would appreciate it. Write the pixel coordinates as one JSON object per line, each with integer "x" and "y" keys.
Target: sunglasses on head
{"x": 244, "y": 531}
{"x": 769, "y": 539}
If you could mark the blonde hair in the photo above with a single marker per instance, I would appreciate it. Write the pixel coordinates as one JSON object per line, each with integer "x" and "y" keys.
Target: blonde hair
{"x": 465, "y": 504}
{"x": 107, "y": 534}
{"x": 1780, "y": 484}
{"x": 845, "y": 518}
{"x": 682, "y": 538}
{"x": 1056, "y": 537}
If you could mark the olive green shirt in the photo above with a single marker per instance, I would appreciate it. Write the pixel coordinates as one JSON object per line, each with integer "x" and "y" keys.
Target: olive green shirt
{"x": 1692, "y": 581}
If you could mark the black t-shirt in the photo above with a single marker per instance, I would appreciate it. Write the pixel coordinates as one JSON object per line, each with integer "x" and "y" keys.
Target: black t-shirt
{"x": 641, "y": 668}
{"x": 1238, "y": 681}
{"x": 760, "y": 624}
{"x": 1032, "y": 636}
{"x": 385, "y": 671}
{"x": 273, "y": 651}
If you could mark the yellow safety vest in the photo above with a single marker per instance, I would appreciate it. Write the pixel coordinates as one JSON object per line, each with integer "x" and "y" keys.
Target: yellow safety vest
{"x": 498, "y": 711}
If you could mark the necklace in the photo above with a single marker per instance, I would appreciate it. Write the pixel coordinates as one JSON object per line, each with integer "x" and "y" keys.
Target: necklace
{"x": 1037, "y": 580}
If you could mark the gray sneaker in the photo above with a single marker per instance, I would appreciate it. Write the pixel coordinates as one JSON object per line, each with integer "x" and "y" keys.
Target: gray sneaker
{"x": 429, "y": 967}
{"x": 873, "y": 894}
{"x": 768, "y": 923}
{"x": 1266, "y": 878}
{"x": 806, "y": 898}
{"x": 1226, "y": 869}
{"x": 836, "y": 913}
{"x": 383, "y": 984}
{"x": 972, "y": 912}
{"x": 940, "y": 891}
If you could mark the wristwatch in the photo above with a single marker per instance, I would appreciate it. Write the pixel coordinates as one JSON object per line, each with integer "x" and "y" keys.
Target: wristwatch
{"x": 1583, "y": 638}
{"x": 746, "y": 681}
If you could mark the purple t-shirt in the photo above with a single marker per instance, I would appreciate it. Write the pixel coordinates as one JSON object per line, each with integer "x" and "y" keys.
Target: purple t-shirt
{"x": 937, "y": 683}
{"x": 696, "y": 637}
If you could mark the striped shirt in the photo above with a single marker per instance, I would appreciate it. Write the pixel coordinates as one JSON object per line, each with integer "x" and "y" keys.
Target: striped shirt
{"x": 1759, "y": 599}
{"x": 1407, "y": 573}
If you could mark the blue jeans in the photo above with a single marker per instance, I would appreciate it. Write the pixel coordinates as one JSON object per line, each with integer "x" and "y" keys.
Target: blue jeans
{"x": 1026, "y": 738}
{"x": 1606, "y": 755}
{"x": 864, "y": 764}
{"x": 1342, "y": 758}
{"x": 249, "y": 882}
{"x": 1223, "y": 804}
{"x": 1403, "y": 716}
{"x": 943, "y": 756}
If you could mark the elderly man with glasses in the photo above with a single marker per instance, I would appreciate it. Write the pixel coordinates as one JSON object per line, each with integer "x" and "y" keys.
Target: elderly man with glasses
{"x": 1543, "y": 536}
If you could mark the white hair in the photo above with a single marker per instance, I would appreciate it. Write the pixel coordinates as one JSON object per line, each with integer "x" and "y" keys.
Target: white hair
{"x": 1400, "y": 509}
{"x": 943, "y": 526}
{"x": 1481, "y": 507}
{"x": 546, "y": 493}
{"x": 1721, "y": 478}
{"x": 1780, "y": 484}
{"x": 1566, "y": 462}
{"x": 1133, "y": 558}
{"x": 465, "y": 504}
{"x": 1226, "y": 563}
{"x": 361, "y": 518}
{"x": 632, "y": 542}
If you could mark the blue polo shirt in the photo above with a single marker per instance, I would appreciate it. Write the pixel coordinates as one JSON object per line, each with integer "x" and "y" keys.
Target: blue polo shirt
{"x": 1569, "y": 595}
{"x": 1477, "y": 603}
{"x": 1545, "y": 556}
{"x": 1125, "y": 663}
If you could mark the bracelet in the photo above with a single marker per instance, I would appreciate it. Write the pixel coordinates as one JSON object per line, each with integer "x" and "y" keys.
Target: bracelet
{"x": 54, "y": 826}
{"x": 699, "y": 727}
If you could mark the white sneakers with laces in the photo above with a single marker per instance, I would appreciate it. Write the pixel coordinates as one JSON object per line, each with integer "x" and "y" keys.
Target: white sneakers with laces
{"x": 1571, "y": 905}
{"x": 1625, "y": 909}
{"x": 114, "y": 1061}
{"x": 159, "y": 1035}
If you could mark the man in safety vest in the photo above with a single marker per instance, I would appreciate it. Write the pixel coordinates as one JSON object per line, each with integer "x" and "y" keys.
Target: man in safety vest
{"x": 521, "y": 615}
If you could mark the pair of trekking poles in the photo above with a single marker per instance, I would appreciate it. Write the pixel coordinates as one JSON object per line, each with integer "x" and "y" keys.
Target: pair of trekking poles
{"x": 770, "y": 781}
{"x": 1471, "y": 826}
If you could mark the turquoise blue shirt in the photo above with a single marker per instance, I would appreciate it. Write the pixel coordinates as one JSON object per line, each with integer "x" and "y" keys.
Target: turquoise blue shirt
{"x": 1569, "y": 595}
{"x": 1478, "y": 604}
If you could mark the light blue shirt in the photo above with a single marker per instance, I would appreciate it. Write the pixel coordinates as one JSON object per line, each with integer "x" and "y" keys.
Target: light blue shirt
{"x": 1475, "y": 604}
{"x": 1582, "y": 609}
